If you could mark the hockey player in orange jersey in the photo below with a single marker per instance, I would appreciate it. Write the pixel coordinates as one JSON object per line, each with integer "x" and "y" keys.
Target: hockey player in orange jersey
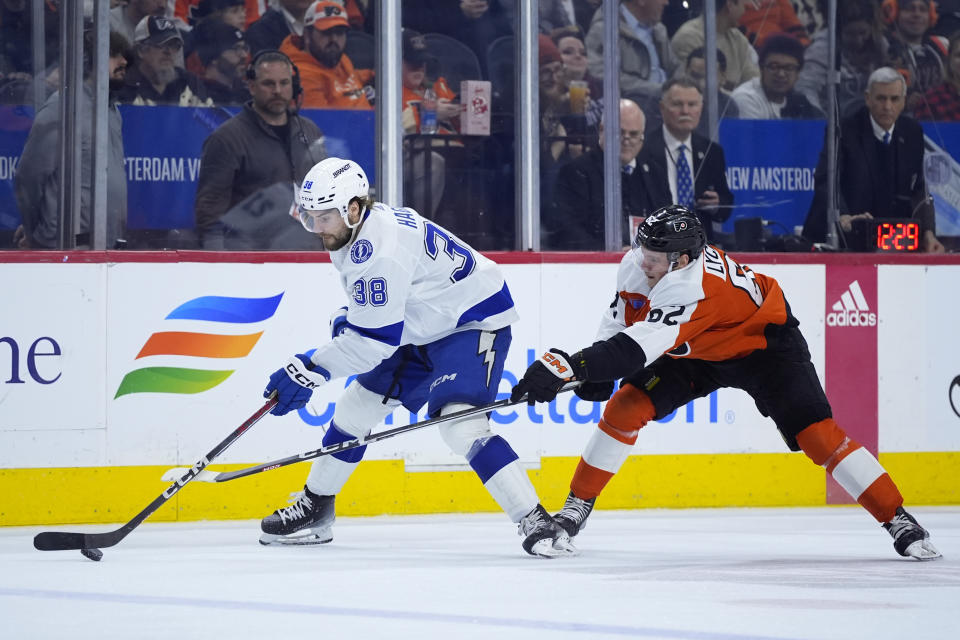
{"x": 687, "y": 320}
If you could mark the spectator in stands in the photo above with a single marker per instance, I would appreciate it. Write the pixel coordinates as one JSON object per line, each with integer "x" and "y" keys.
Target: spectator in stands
{"x": 221, "y": 13}
{"x": 879, "y": 167}
{"x": 943, "y": 101}
{"x": 771, "y": 96}
{"x": 696, "y": 70}
{"x": 425, "y": 187}
{"x": 862, "y": 50}
{"x": 808, "y": 12}
{"x": 919, "y": 55}
{"x": 573, "y": 53}
{"x": 646, "y": 59}
{"x": 276, "y": 24}
{"x": 693, "y": 168}
{"x": 556, "y": 14}
{"x": 741, "y": 57}
{"x": 265, "y": 144}
{"x": 36, "y": 185}
{"x": 762, "y": 18}
{"x": 575, "y": 221}
{"x": 224, "y": 56}
{"x": 155, "y": 79}
{"x": 329, "y": 78}
{"x": 124, "y": 18}
{"x": 556, "y": 148}
{"x": 476, "y": 23}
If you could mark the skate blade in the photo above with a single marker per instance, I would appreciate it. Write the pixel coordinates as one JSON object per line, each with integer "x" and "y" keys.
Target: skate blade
{"x": 548, "y": 548}
{"x": 922, "y": 550}
{"x": 302, "y": 538}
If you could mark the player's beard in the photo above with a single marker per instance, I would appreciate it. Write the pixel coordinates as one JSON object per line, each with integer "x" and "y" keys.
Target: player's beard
{"x": 334, "y": 242}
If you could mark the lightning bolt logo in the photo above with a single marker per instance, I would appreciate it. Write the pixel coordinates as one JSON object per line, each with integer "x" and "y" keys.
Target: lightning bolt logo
{"x": 486, "y": 348}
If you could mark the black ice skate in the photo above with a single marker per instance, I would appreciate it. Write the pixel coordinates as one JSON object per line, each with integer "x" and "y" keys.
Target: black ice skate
{"x": 573, "y": 516}
{"x": 543, "y": 537}
{"x": 909, "y": 538}
{"x": 309, "y": 520}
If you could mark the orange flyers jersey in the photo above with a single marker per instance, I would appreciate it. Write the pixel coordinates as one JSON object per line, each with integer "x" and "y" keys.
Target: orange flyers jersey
{"x": 712, "y": 309}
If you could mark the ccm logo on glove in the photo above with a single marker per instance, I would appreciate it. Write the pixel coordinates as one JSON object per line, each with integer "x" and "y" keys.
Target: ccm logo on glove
{"x": 294, "y": 372}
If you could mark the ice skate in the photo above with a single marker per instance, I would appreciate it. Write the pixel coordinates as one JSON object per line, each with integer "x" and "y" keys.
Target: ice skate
{"x": 909, "y": 538}
{"x": 573, "y": 516}
{"x": 309, "y": 520}
{"x": 543, "y": 537}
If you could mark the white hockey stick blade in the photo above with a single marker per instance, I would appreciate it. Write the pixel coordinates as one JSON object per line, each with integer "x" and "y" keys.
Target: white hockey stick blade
{"x": 172, "y": 475}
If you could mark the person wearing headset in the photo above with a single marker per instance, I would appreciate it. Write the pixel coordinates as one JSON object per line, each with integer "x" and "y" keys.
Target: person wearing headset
{"x": 265, "y": 144}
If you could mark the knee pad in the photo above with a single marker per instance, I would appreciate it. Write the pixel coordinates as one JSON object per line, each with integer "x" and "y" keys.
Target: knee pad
{"x": 626, "y": 413}
{"x": 461, "y": 434}
{"x": 359, "y": 410}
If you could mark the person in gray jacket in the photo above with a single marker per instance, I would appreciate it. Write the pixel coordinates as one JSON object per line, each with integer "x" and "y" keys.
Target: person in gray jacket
{"x": 36, "y": 185}
{"x": 266, "y": 144}
{"x": 646, "y": 59}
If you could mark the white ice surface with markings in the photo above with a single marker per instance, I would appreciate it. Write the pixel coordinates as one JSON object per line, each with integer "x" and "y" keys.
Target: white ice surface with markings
{"x": 704, "y": 574}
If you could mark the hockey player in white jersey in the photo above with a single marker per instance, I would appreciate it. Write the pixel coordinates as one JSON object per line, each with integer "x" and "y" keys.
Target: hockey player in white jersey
{"x": 428, "y": 322}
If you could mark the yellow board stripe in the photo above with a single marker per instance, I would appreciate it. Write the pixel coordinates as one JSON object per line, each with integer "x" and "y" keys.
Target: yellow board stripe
{"x": 116, "y": 494}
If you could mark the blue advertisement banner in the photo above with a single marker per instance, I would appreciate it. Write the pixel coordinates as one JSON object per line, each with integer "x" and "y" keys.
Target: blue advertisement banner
{"x": 770, "y": 163}
{"x": 770, "y": 166}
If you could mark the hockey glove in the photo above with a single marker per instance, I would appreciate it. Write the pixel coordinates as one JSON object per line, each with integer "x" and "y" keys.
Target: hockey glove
{"x": 338, "y": 322}
{"x": 595, "y": 391}
{"x": 294, "y": 384}
{"x": 544, "y": 378}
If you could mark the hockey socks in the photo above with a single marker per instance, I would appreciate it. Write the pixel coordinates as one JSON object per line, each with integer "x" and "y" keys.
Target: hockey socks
{"x": 625, "y": 414}
{"x": 329, "y": 473}
{"x": 853, "y": 467}
{"x": 498, "y": 467}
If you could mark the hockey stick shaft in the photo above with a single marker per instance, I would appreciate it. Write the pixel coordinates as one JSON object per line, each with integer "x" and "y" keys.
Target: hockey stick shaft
{"x": 63, "y": 540}
{"x": 226, "y": 476}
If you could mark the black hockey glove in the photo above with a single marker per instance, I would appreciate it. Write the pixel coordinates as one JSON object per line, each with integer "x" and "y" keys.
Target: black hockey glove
{"x": 595, "y": 391}
{"x": 544, "y": 378}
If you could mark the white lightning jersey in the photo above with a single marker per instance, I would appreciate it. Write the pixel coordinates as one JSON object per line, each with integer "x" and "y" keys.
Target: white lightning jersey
{"x": 409, "y": 281}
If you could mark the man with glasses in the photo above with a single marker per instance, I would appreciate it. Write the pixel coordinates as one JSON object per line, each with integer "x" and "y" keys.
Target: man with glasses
{"x": 772, "y": 96}
{"x": 224, "y": 56}
{"x": 156, "y": 78}
{"x": 250, "y": 163}
{"x": 692, "y": 169}
{"x": 575, "y": 221}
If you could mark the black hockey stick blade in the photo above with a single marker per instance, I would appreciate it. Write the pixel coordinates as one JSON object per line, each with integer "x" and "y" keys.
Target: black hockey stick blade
{"x": 65, "y": 540}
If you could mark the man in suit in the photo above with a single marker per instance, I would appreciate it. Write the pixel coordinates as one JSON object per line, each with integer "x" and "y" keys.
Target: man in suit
{"x": 879, "y": 166}
{"x": 575, "y": 220}
{"x": 689, "y": 169}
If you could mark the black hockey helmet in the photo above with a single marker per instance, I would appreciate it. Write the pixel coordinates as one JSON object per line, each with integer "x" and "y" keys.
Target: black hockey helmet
{"x": 672, "y": 229}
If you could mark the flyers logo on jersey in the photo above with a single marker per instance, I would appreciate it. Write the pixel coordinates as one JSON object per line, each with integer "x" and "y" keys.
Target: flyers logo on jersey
{"x": 851, "y": 310}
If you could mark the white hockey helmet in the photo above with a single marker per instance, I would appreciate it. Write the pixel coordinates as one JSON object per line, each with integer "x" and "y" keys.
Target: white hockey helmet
{"x": 331, "y": 184}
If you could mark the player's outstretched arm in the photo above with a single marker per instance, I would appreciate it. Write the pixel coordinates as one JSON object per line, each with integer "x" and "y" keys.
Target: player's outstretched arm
{"x": 603, "y": 362}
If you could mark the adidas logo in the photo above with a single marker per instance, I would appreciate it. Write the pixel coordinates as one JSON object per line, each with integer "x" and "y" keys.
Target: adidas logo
{"x": 851, "y": 310}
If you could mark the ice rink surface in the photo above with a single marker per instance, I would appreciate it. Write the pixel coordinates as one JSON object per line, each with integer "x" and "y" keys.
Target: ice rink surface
{"x": 705, "y": 574}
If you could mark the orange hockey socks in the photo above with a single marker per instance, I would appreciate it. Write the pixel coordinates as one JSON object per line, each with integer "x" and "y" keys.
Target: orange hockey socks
{"x": 853, "y": 467}
{"x": 625, "y": 414}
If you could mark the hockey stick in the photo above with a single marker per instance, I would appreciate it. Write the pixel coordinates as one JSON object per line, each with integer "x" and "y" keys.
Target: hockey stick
{"x": 226, "y": 476}
{"x": 63, "y": 540}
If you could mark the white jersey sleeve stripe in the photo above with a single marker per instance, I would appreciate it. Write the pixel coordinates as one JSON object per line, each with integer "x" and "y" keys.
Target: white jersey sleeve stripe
{"x": 497, "y": 303}
{"x": 389, "y": 334}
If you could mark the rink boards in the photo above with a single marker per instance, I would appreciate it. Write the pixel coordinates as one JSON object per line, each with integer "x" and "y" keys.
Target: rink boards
{"x": 112, "y": 371}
